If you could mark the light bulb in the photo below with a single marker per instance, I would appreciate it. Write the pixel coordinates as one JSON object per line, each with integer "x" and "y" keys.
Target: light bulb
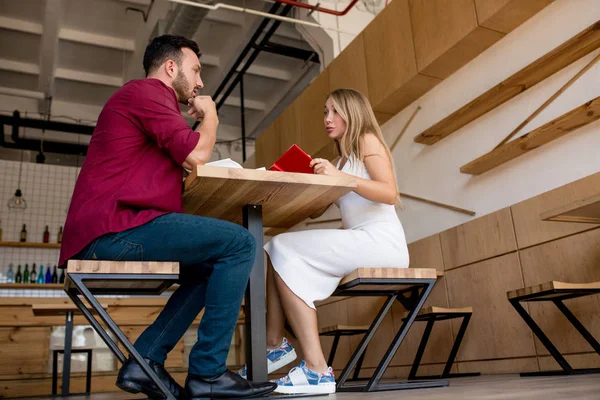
{"x": 18, "y": 202}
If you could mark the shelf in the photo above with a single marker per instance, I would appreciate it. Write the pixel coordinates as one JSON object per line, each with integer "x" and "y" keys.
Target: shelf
{"x": 575, "y": 48}
{"x": 574, "y": 119}
{"x": 31, "y": 245}
{"x": 35, "y": 286}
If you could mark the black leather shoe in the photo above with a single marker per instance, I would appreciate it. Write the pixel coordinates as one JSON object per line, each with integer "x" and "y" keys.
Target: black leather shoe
{"x": 133, "y": 379}
{"x": 226, "y": 385}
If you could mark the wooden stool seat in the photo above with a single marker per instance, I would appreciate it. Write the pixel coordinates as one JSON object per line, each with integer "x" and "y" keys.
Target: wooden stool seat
{"x": 556, "y": 292}
{"x": 89, "y": 278}
{"x": 410, "y": 287}
{"x": 53, "y": 310}
{"x": 553, "y": 289}
{"x": 431, "y": 315}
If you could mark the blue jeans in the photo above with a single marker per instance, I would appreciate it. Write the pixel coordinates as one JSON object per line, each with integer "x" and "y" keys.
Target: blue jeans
{"x": 215, "y": 261}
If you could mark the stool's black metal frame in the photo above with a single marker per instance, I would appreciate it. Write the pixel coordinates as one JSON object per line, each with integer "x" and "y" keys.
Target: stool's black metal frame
{"x": 88, "y": 371}
{"x": 336, "y": 339}
{"x": 78, "y": 288}
{"x": 412, "y": 298}
{"x": 431, "y": 318}
{"x": 559, "y": 295}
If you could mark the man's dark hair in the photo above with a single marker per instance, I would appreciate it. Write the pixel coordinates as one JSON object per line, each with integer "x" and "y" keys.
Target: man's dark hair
{"x": 166, "y": 47}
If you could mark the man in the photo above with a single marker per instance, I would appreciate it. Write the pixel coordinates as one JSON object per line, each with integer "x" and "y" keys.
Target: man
{"x": 127, "y": 206}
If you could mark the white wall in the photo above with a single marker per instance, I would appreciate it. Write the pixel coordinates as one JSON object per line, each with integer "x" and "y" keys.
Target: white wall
{"x": 433, "y": 171}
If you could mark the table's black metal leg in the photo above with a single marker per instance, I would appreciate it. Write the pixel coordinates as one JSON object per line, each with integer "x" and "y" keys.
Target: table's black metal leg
{"x": 389, "y": 354}
{"x": 88, "y": 374}
{"x": 336, "y": 340}
{"x": 541, "y": 336}
{"x": 456, "y": 345}
{"x": 256, "y": 329}
{"x": 54, "y": 372}
{"x": 366, "y": 339}
{"x": 580, "y": 328}
{"x": 66, "y": 375}
{"x": 415, "y": 366}
{"x": 97, "y": 327}
{"x": 120, "y": 335}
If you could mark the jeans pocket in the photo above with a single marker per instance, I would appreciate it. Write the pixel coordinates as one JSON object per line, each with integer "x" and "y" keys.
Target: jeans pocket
{"x": 111, "y": 247}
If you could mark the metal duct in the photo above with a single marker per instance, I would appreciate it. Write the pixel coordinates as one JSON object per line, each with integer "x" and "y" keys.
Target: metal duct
{"x": 184, "y": 20}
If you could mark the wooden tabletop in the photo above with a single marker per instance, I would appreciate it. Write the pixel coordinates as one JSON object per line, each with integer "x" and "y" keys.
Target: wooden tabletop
{"x": 286, "y": 198}
{"x": 584, "y": 211}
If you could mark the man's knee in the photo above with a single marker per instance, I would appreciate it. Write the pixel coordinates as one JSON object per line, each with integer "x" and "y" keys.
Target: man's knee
{"x": 245, "y": 243}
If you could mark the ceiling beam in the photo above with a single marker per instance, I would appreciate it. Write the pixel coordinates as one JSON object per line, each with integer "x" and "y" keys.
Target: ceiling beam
{"x": 62, "y": 73}
{"x": 49, "y": 51}
{"x": 71, "y": 35}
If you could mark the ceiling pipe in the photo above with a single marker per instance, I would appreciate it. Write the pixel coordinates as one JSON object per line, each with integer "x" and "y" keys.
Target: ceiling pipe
{"x": 260, "y": 13}
{"x": 319, "y": 9}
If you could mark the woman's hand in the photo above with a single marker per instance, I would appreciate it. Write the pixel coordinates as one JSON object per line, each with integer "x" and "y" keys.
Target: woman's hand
{"x": 324, "y": 167}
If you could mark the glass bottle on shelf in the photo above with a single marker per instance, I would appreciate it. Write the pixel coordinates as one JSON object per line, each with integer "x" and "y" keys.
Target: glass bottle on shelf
{"x": 54, "y": 276}
{"x": 59, "y": 236}
{"x": 46, "y": 235}
{"x": 23, "y": 237}
{"x": 18, "y": 275}
{"x": 32, "y": 275}
{"x": 26, "y": 274}
{"x": 10, "y": 277}
{"x": 48, "y": 278}
{"x": 62, "y": 277}
{"x": 0, "y": 230}
{"x": 40, "y": 278}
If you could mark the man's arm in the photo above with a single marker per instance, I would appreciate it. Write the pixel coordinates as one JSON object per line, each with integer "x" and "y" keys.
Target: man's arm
{"x": 203, "y": 108}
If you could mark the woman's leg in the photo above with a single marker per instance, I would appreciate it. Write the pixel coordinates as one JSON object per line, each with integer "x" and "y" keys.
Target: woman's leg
{"x": 275, "y": 314}
{"x": 303, "y": 320}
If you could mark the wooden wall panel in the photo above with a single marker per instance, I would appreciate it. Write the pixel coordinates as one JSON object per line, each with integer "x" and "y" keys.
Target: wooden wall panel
{"x": 506, "y": 366}
{"x": 441, "y": 339}
{"x": 426, "y": 253}
{"x": 531, "y": 230}
{"x": 361, "y": 312}
{"x": 447, "y": 36}
{"x": 268, "y": 146}
{"x": 482, "y": 238}
{"x": 586, "y": 360}
{"x": 391, "y": 64}
{"x": 506, "y": 15}
{"x": 309, "y": 117}
{"x": 495, "y": 330}
{"x": 571, "y": 259}
{"x": 349, "y": 68}
{"x": 287, "y": 130}
{"x": 24, "y": 350}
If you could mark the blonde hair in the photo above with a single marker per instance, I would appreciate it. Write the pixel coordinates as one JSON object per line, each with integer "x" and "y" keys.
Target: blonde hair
{"x": 355, "y": 109}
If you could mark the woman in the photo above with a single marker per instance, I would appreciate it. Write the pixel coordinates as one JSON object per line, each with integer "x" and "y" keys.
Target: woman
{"x": 307, "y": 266}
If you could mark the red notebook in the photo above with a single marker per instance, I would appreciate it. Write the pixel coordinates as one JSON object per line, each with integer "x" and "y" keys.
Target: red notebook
{"x": 293, "y": 160}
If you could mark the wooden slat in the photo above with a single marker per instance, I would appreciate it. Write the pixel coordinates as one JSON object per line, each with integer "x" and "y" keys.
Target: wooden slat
{"x": 339, "y": 327}
{"x": 443, "y": 310}
{"x": 583, "y": 211}
{"x": 574, "y": 119}
{"x": 575, "y": 48}
{"x": 24, "y": 350}
{"x": 50, "y": 310}
{"x": 286, "y": 198}
{"x": 31, "y": 245}
{"x": 122, "y": 267}
{"x": 390, "y": 273}
{"x": 553, "y": 285}
{"x": 506, "y": 15}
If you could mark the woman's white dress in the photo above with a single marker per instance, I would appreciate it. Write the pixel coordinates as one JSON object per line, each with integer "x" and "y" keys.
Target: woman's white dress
{"x": 313, "y": 262}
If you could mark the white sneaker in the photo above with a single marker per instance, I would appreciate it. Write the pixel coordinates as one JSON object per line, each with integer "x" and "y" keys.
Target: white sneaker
{"x": 304, "y": 380}
{"x": 276, "y": 358}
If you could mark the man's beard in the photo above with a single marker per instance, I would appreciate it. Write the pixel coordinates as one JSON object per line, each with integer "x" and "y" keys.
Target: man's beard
{"x": 182, "y": 88}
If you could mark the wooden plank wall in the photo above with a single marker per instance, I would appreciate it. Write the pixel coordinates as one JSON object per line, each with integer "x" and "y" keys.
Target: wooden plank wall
{"x": 408, "y": 48}
{"x": 482, "y": 260}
